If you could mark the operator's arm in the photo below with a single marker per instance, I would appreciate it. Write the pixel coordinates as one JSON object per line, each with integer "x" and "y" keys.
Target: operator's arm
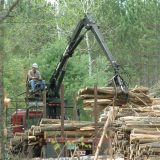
{"x": 29, "y": 75}
{"x": 32, "y": 76}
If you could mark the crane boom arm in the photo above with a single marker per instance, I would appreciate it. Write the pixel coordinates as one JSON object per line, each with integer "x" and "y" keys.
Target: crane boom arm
{"x": 89, "y": 25}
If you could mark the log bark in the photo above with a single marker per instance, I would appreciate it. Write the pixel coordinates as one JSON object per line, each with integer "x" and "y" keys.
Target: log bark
{"x": 50, "y": 134}
{"x": 90, "y": 96}
{"x": 100, "y": 90}
{"x": 152, "y": 131}
{"x": 67, "y": 126}
{"x": 99, "y": 101}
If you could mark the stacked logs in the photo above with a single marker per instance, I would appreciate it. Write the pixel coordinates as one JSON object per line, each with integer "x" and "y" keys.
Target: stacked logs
{"x": 136, "y": 136}
{"x": 79, "y": 135}
{"x": 52, "y": 128}
{"x": 76, "y": 131}
{"x": 134, "y": 132}
{"x": 106, "y": 96}
{"x": 136, "y": 125}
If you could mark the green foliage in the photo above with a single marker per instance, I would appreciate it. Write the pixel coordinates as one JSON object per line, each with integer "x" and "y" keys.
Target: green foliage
{"x": 15, "y": 76}
{"x": 155, "y": 89}
{"x": 77, "y": 70}
{"x": 49, "y": 57}
{"x": 56, "y": 146}
{"x": 32, "y": 28}
{"x": 37, "y": 32}
{"x": 131, "y": 27}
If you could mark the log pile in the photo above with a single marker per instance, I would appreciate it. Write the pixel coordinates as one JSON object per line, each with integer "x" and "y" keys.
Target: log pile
{"x": 134, "y": 132}
{"x": 137, "y": 124}
{"x": 106, "y": 97}
{"x": 136, "y": 135}
{"x": 72, "y": 129}
{"x": 52, "y": 129}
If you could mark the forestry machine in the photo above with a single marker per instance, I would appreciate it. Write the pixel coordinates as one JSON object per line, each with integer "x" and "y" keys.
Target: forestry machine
{"x": 56, "y": 80}
{"x": 52, "y": 93}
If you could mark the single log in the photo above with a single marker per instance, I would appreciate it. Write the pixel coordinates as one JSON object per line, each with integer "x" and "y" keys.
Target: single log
{"x": 141, "y": 114}
{"x": 58, "y": 121}
{"x": 152, "y": 131}
{"x": 144, "y": 141}
{"x": 125, "y": 114}
{"x": 143, "y": 138}
{"x": 89, "y": 96}
{"x": 50, "y": 134}
{"x": 154, "y": 114}
{"x": 153, "y": 157}
{"x": 100, "y": 107}
{"x": 99, "y": 101}
{"x": 135, "y": 118}
{"x": 87, "y": 128}
{"x": 150, "y": 145}
{"x": 141, "y": 122}
{"x": 134, "y": 125}
{"x": 128, "y": 128}
{"x": 67, "y": 126}
{"x": 103, "y": 90}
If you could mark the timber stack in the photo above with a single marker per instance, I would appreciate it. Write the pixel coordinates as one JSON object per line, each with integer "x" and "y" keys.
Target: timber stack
{"x": 50, "y": 130}
{"x": 135, "y": 129}
{"x": 132, "y": 130}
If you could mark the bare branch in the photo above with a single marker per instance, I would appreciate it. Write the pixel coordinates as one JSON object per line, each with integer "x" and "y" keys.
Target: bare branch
{"x": 4, "y": 15}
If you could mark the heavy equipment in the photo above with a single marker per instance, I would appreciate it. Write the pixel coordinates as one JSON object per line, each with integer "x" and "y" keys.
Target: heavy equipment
{"x": 57, "y": 77}
{"x": 51, "y": 98}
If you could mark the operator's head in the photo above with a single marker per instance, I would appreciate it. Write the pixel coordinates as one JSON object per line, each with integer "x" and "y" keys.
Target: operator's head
{"x": 35, "y": 66}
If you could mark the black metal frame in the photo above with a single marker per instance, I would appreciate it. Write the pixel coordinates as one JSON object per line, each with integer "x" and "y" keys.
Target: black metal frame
{"x": 89, "y": 24}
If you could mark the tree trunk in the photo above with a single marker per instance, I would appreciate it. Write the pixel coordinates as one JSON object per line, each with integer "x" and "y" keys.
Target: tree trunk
{"x": 1, "y": 87}
{"x": 89, "y": 56}
{"x": 86, "y": 9}
{"x": 57, "y": 15}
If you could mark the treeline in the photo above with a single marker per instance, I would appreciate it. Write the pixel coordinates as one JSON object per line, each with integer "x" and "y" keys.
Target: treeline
{"x": 37, "y": 31}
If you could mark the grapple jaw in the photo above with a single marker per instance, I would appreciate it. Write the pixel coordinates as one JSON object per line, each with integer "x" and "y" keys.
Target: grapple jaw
{"x": 121, "y": 90}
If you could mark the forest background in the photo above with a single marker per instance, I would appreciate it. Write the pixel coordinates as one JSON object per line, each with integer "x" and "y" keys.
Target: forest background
{"x": 38, "y": 31}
